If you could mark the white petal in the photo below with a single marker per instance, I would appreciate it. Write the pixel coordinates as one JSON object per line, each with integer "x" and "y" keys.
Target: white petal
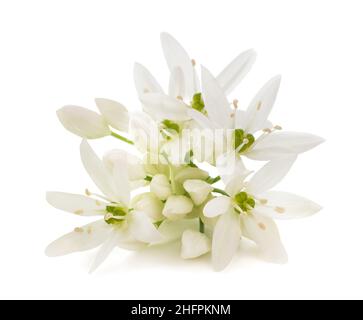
{"x": 217, "y": 206}
{"x": 201, "y": 119}
{"x": 263, "y": 231}
{"x": 282, "y": 143}
{"x": 135, "y": 168}
{"x": 177, "y": 207}
{"x": 142, "y": 229}
{"x": 198, "y": 190}
{"x": 160, "y": 186}
{"x": 177, "y": 83}
{"x": 194, "y": 244}
{"x": 97, "y": 171}
{"x": 76, "y": 203}
{"x": 144, "y": 81}
{"x": 232, "y": 75}
{"x": 120, "y": 178}
{"x": 145, "y": 133}
{"x": 215, "y": 100}
{"x": 261, "y": 106}
{"x": 226, "y": 239}
{"x": 176, "y": 56}
{"x": 284, "y": 205}
{"x": 161, "y": 107}
{"x": 106, "y": 249}
{"x": 149, "y": 204}
{"x": 83, "y": 122}
{"x": 270, "y": 175}
{"x": 115, "y": 113}
{"x": 81, "y": 239}
{"x": 231, "y": 167}
{"x": 173, "y": 230}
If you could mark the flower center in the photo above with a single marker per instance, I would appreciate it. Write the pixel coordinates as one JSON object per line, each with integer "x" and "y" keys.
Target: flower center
{"x": 115, "y": 215}
{"x": 242, "y": 141}
{"x": 245, "y": 201}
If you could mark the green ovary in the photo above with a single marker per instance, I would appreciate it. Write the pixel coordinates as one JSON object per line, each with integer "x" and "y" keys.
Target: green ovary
{"x": 245, "y": 201}
{"x": 115, "y": 214}
{"x": 241, "y": 138}
{"x": 198, "y": 102}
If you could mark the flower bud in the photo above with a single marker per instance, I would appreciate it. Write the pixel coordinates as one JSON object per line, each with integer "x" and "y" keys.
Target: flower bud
{"x": 83, "y": 122}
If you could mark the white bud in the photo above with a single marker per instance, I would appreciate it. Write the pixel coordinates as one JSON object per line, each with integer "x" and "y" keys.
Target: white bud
{"x": 150, "y": 205}
{"x": 83, "y": 122}
{"x": 115, "y": 114}
{"x": 198, "y": 190}
{"x": 177, "y": 207}
{"x": 194, "y": 244}
{"x": 161, "y": 186}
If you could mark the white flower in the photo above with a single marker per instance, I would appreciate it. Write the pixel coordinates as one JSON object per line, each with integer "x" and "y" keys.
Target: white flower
{"x": 249, "y": 209}
{"x": 184, "y": 84}
{"x": 119, "y": 225}
{"x": 91, "y": 125}
{"x": 244, "y": 125}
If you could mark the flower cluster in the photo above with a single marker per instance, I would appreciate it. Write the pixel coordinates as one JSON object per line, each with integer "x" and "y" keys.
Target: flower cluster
{"x": 167, "y": 192}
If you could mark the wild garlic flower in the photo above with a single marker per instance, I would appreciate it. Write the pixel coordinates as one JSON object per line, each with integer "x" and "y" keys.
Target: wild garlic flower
{"x": 248, "y": 207}
{"x": 186, "y": 180}
{"x": 120, "y": 226}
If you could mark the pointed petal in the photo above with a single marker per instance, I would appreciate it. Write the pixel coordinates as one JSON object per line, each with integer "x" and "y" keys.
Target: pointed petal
{"x": 176, "y": 56}
{"x": 144, "y": 81}
{"x": 263, "y": 231}
{"x": 76, "y": 203}
{"x": 270, "y": 175}
{"x": 261, "y": 106}
{"x": 284, "y": 205}
{"x": 161, "y": 107}
{"x": 142, "y": 229}
{"x": 120, "y": 178}
{"x": 217, "y": 206}
{"x": 281, "y": 143}
{"x": 97, "y": 171}
{"x": 177, "y": 207}
{"x": 231, "y": 167}
{"x": 226, "y": 239}
{"x": 215, "y": 100}
{"x": 105, "y": 250}
{"x": 135, "y": 167}
{"x": 194, "y": 244}
{"x": 81, "y": 239}
{"x": 115, "y": 113}
{"x": 83, "y": 122}
{"x": 232, "y": 75}
{"x": 177, "y": 83}
{"x": 201, "y": 119}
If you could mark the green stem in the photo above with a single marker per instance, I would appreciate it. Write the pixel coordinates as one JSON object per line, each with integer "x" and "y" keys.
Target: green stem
{"x": 211, "y": 180}
{"x": 216, "y": 190}
{"x": 201, "y": 226}
{"x": 117, "y": 136}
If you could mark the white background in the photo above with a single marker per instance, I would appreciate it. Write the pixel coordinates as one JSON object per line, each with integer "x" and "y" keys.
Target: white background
{"x": 54, "y": 53}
